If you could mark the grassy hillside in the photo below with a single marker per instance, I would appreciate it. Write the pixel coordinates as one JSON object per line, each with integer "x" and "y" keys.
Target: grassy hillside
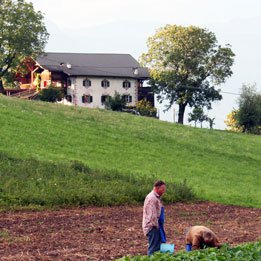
{"x": 220, "y": 166}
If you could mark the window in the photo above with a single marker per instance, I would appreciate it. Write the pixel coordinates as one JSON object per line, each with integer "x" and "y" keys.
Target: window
{"x": 86, "y": 83}
{"x": 126, "y": 84}
{"x": 86, "y": 99}
{"x": 127, "y": 98}
{"x": 68, "y": 98}
{"x": 105, "y": 98}
{"x": 69, "y": 82}
{"x": 105, "y": 83}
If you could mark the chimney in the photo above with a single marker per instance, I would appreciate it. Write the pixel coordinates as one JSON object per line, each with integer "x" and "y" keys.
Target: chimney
{"x": 135, "y": 71}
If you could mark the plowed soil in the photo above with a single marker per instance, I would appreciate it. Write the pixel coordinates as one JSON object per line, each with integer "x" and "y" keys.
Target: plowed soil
{"x": 107, "y": 233}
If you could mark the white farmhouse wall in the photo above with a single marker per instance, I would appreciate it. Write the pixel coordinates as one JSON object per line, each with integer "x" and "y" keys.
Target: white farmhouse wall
{"x": 77, "y": 90}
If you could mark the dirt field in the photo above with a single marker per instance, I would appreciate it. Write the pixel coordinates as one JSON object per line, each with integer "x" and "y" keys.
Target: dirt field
{"x": 94, "y": 233}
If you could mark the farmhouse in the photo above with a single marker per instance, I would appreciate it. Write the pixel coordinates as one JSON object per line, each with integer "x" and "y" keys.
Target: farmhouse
{"x": 87, "y": 79}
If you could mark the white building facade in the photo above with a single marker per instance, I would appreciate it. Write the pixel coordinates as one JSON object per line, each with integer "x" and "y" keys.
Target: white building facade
{"x": 92, "y": 92}
{"x": 90, "y": 79}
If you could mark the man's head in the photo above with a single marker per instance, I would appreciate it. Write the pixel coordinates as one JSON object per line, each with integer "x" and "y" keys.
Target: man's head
{"x": 208, "y": 237}
{"x": 159, "y": 187}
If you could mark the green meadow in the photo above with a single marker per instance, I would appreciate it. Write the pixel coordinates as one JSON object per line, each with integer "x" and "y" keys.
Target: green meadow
{"x": 51, "y": 154}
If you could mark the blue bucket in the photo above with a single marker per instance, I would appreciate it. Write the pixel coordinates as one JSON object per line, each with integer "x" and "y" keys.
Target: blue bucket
{"x": 188, "y": 247}
{"x": 167, "y": 248}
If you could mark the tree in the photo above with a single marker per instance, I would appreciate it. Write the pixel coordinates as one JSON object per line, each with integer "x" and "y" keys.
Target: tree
{"x": 231, "y": 122}
{"x": 211, "y": 122}
{"x": 197, "y": 115}
{"x": 248, "y": 115}
{"x": 23, "y": 35}
{"x": 185, "y": 66}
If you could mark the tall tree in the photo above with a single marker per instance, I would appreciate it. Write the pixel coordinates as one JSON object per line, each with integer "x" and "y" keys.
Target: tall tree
{"x": 22, "y": 34}
{"x": 248, "y": 116}
{"x": 186, "y": 64}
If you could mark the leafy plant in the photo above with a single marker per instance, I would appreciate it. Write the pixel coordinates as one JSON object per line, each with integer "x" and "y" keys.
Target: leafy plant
{"x": 231, "y": 122}
{"x": 115, "y": 103}
{"x": 30, "y": 182}
{"x": 197, "y": 115}
{"x": 51, "y": 94}
{"x": 146, "y": 109}
{"x": 249, "y": 252}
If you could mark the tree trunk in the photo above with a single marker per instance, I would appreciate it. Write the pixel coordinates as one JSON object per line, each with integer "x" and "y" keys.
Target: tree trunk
{"x": 182, "y": 108}
{"x": 2, "y": 90}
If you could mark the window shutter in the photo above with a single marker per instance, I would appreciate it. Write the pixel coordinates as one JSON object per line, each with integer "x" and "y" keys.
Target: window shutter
{"x": 105, "y": 83}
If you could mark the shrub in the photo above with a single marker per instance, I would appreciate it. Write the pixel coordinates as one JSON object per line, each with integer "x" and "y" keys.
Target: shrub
{"x": 115, "y": 103}
{"x": 146, "y": 109}
{"x": 80, "y": 167}
{"x": 30, "y": 182}
{"x": 51, "y": 94}
{"x": 180, "y": 192}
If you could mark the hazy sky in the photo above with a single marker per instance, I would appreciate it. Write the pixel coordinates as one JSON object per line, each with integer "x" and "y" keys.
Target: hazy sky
{"x": 123, "y": 26}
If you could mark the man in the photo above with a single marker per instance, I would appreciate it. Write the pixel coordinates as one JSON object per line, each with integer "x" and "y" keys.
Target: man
{"x": 152, "y": 210}
{"x": 199, "y": 237}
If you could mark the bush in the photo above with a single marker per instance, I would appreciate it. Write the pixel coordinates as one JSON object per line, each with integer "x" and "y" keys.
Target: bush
{"x": 51, "y": 94}
{"x": 146, "y": 109}
{"x": 115, "y": 103}
{"x": 180, "y": 192}
{"x": 30, "y": 182}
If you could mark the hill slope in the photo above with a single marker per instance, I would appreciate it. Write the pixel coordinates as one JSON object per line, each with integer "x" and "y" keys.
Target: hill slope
{"x": 220, "y": 166}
